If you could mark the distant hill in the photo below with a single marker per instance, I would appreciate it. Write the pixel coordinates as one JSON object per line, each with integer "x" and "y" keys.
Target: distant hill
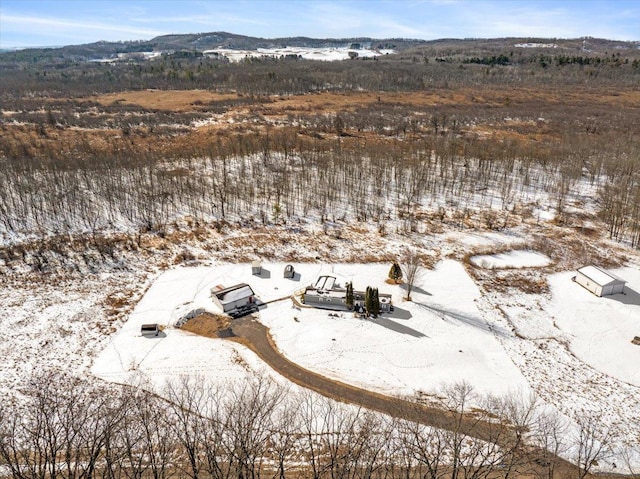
{"x": 195, "y": 43}
{"x": 207, "y": 41}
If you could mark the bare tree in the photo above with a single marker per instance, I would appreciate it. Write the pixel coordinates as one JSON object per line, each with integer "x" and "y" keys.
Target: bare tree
{"x": 425, "y": 448}
{"x": 411, "y": 270}
{"x": 284, "y": 435}
{"x": 249, "y": 411}
{"x": 187, "y": 399}
{"x": 627, "y": 455}
{"x": 147, "y": 440}
{"x": 592, "y": 443}
{"x": 518, "y": 413}
{"x": 549, "y": 433}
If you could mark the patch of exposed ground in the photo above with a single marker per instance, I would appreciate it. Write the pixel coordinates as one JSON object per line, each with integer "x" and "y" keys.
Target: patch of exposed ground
{"x": 191, "y": 121}
{"x": 327, "y": 102}
{"x": 174, "y": 100}
{"x": 209, "y": 325}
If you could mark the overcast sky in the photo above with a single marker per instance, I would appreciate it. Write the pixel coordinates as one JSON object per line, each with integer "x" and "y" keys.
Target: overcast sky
{"x": 26, "y": 23}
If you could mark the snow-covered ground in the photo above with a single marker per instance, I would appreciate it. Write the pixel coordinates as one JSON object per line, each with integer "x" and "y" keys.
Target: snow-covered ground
{"x": 307, "y": 53}
{"x": 448, "y": 333}
{"x": 511, "y": 259}
{"x": 576, "y": 353}
{"x": 439, "y": 338}
{"x": 131, "y": 357}
{"x": 600, "y": 330}
{"x": 536, "y": 45}
{"x": 567, "y": 346}
{"x": 403, "y": 353}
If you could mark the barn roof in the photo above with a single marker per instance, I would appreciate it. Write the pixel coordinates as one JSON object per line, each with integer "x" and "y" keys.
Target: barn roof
{"x": 234, "y": 293}
{"x": 600, "y": 276}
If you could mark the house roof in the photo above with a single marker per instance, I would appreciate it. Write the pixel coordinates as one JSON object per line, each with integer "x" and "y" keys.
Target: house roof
{"x": 600, "y": 276}
{"x": 325, "y": 283}
{"x": 341, "y": 293}
{"x": 234, "y": 293}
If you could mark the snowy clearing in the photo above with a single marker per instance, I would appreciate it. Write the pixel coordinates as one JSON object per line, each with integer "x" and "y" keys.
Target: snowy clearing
{"x": 307, "y": 53}
{"x": 400, "y": 354}
{"x": 600, "y": 330}
{"x": 445, "y": 335}
{"x": 457, "y": 328}
{"x": 511, "y": 259}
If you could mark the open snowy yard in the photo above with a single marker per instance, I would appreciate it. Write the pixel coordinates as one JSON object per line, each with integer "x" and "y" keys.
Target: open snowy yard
{"x": 130, "y": 357}
{"x": 600, "y": 330}
{"x": 438, "y": 338}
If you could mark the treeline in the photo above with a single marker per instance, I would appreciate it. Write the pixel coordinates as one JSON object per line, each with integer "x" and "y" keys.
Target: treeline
{"x": 65, "y": 428}
{"x": 501, "y": 59}
{"x": 620, "y": 200}
{"x": 559, "y": 60}
{"x": 409, "y": 71}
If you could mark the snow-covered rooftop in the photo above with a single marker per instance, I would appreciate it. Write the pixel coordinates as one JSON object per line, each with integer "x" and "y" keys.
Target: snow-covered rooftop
{"x": 325, "y": 283}
{"x": 599, "y": 276}
{"x": 234, "y": 293}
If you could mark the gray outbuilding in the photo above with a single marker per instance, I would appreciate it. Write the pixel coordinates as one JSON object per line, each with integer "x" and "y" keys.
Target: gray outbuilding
{"x": 289, "y": 272}
{"x": 256, "y": 268}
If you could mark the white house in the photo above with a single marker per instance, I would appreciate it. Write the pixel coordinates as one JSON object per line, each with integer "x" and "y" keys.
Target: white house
{"x": 236, "y": 297}
{"x": 599, "y": 281}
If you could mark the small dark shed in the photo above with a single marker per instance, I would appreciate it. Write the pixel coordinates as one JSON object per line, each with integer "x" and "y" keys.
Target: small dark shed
{"x": 289, "y": 272}
{"x": 150, "y": 329}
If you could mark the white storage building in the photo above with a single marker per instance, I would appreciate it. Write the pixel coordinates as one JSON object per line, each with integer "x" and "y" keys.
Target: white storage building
{"x": 599, "y": 281}
{"x": 235, "y": 297}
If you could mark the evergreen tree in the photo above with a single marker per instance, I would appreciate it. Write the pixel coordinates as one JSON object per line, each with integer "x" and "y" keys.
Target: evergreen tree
{"x": 368, "y": 300}
{"x": 375, "y": 302}
{"x": 371, "y": 301}
{"x": 349, "y": 296}
{"x": 395, "y": 273}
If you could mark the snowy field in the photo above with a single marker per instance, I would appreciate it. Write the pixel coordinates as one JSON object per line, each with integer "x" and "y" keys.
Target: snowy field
{"x": 130, "y": 357}
{"x": 437, "y": 339}
{"x": 576, "y": 353}
{"x": 600, "y": 330}
{"x": 572, "y": 349}
{"x": 401, "y": 354}
{"x": 306, "y": 53}
{"x": 511, "y": 259}
{"x": 448, "y": 333}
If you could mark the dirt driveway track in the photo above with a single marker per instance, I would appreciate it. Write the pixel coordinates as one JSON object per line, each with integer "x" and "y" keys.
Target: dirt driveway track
{"x": 256, "y": 336}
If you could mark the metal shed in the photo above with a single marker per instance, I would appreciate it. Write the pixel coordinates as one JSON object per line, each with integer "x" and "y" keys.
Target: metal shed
{"x": 256, "y": 268}
{"x": 599, "y": 281}
{"x": 150, "y": 329}
{"x": 289, "y": 272}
